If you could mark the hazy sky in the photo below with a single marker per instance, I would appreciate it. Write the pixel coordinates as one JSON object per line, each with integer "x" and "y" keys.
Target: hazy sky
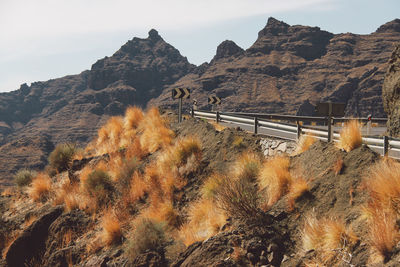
{"x": 44, "y": 39}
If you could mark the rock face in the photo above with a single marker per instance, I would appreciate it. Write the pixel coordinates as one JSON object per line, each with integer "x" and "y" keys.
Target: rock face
{"x": 70, "y": 109}
{"x": 290, "y": 67}
{"x": 287, "y": 70}
{"x": 391, "y": 93}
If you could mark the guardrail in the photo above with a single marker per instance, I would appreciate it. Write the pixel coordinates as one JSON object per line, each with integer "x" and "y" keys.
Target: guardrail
{"x": 384, "y": 145}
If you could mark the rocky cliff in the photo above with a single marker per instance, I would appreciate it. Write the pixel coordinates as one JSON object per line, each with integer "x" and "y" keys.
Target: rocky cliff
{"x": 391, "y": 93}
{"x": 289, "y": 67}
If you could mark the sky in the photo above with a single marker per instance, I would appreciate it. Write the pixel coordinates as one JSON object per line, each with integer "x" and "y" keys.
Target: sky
{"x": 47, "y": 39}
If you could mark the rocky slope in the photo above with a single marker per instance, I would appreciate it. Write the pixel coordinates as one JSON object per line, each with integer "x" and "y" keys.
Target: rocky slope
{"x": 70, "y": 109}
{"x": 52, "y": 232}
{"x": 288, "y": 66}
{"x": 391, "y": 93}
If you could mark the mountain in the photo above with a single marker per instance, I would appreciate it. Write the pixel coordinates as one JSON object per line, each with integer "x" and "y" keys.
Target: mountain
{"x": 289, "y": 66}
{"x": 286, "y": 70}
{"x": 71, "y": 108}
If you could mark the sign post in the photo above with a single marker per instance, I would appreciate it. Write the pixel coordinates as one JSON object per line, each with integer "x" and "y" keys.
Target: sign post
{"x": 180, "y": 93}
{"x": 330, "y": 109}
{"x": 214, "y": 100}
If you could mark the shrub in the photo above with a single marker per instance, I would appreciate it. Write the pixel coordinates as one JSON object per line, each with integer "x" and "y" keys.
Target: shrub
{"x": 24, "y": 177}
{"x": 61, "y": 157}
{"x": 350, "y": 136}
{"x": 147, "y": 235}
{"x": 112, "y": 232}
{"x": 239, "y": 198}
{"x": 40, "y": 187}
{"x": 98, "y": 184}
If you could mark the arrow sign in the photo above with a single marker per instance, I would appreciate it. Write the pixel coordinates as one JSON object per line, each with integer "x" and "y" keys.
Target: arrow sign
{"x": 214, "y": 100}
{"x": 180, "y": 93}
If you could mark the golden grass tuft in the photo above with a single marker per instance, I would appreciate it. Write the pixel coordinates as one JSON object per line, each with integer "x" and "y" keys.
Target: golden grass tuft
{"x": 211, "y": 185}
{"x": 133, "y": 117}
{"x": 274, "y": 179}
{"x": 112, "y": 232}
{"x": 297, "y": 188}
{"x": 40, "y": 188}
{"x": 383, "y": 234}
{"x": 155, "y": 133}
{"x": 350, "y": 136}
{"x": 247, "y": 166}
{"x": 383, "y": 184}
{"x": 218, "y": 127}
{"x": 328, "y": 237}
{"x": 204, "y": 221}
{"x": 304, "y": 143}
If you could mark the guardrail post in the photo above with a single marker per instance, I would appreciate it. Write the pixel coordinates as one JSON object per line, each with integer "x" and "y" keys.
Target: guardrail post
{"x": 385, "y": 145}
{"x": 298, "y": 130}
{"x": 217, "y": 118}
{"x": 255, "y": 125}
{"x": 192, "y": 112}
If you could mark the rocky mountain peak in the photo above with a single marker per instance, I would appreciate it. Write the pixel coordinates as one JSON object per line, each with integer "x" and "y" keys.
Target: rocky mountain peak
{"x": 154, "y": 36}
{"x": 273, "y": 27}
{"x": 391, "y": 26}
{"x": 226, "y": 49}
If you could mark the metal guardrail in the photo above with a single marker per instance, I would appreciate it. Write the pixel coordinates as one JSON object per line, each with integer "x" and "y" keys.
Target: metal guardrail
{"x": 384, "y": 144}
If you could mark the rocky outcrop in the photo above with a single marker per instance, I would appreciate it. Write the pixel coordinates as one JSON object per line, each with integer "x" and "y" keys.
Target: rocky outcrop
{"x": 289, "y": 68}
{"x": 391, "y": 93}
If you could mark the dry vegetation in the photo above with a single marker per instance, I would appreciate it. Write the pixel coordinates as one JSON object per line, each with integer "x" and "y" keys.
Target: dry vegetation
{"x": 350, "y": 136}
{"x": 304, "y": 143}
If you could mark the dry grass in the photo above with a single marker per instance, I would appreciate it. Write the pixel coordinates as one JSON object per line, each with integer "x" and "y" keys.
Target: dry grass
{"x": 350, "y": 136}
{"x": 40, "y": 188}
{"x": 274, "y": 179}
{"x": 298, "y": 187}
{"x": 204, "y": 221}
{"x": 211, "y": 185}
{"x": 31, "y": 219}
{"x": 304, "y": 143}
{"x": 247, "y": 166}
{"x": 383, "y": 234}
{"x": 155, "y": 133}
{"x": 218, "y": 127}
{"x": 338, "y": 166}
{"x": 383, "y": 184}
{"x": 239, "y": 198}
{"x": 328, "y": 237}
{"x": 146, "y": 234}
{"x": 112, "y": 232}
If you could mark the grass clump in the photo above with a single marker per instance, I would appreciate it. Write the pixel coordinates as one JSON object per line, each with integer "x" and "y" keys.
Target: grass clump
{"x": 147, "y": 235}
{"x": 304, "y": 143}
{"x": 239, "y": 198}
{"x": 61, "y": 157}
{"x": 40, "y": 188}
{"x": 328, "y": 237}
{"x": 112, "y": 232}
{"x": 247, "y": 166}
{"x": 350, "y": 136}
{"x": 24, "y": 177}
{"x": 98, "y": 184}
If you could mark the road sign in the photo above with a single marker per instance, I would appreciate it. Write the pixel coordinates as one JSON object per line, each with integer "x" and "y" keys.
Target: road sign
{"x": 330, "y": 109}
{"x": 337, "y": 109}
{"x": 180, "y": 93}
{"x": 214, "y": 100}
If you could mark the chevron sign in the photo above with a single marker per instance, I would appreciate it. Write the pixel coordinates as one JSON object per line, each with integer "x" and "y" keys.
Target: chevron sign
{"x": 214, "y": 100}
{"x": 180, "y": 93}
